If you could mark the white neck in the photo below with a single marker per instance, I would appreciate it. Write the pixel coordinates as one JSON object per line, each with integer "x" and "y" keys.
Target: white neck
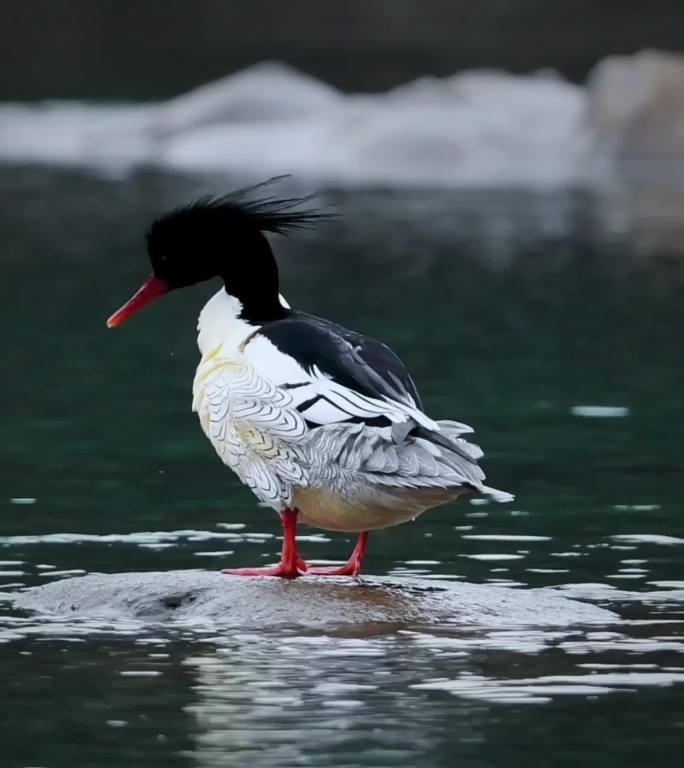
{"x": 220, "y": 323}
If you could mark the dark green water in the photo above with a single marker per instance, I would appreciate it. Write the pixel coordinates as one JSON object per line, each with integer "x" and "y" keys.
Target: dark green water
{"x": 511, "y": 309}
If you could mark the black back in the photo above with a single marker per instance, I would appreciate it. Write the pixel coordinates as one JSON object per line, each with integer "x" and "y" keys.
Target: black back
{"x": 353, "y": 360}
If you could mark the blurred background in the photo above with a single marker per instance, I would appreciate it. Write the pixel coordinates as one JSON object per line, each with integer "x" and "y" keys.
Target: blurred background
{"x": 384, "y": 92}
{"x": 508, "y": 178}
{"x": 119, "y": 50}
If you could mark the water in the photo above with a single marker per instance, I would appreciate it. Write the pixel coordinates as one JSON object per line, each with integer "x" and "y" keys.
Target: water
{"x": 551, "y": 322}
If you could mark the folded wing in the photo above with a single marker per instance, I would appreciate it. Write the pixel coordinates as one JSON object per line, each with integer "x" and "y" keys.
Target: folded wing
{"x": 311, "y": 404}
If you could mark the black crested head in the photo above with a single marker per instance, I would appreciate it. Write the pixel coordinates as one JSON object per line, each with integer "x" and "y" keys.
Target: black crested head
{"x": 224, "y": 237}
{"x": 216, "y": 236}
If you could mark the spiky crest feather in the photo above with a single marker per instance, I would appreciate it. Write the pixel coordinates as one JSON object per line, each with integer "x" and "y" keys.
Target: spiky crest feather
{"x": 278, "y": 215}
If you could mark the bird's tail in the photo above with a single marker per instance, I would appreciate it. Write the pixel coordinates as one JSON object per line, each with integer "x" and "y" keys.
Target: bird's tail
{"x": 450, "y": 437}
{"x": 495, "y": 494}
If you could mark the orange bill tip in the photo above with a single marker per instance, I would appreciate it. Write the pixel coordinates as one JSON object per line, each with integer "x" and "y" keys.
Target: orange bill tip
{"x": 152, "y": 289}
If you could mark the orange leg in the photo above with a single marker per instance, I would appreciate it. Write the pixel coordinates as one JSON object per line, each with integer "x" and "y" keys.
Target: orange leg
{"x": 352, "y": 567}
{"x": 290, "y": 565}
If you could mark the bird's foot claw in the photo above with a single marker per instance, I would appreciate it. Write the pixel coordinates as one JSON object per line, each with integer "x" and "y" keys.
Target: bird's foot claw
{"x": 280, "y": 570}
{"x": 348, "y": 569}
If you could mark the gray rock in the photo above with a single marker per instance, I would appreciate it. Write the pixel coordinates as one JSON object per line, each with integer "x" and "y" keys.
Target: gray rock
{"x": 317, "y": 602}
{"x": 636, "y": 106}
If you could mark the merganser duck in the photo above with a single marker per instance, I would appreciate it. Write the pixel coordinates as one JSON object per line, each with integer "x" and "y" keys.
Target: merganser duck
{"x": 323, "y": 424}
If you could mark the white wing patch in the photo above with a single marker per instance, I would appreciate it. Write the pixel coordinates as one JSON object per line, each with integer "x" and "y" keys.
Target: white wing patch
{"x": 320, "y": 399}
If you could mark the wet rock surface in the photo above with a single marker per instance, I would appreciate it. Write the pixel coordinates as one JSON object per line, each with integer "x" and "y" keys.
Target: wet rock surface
{"x": 187, "y": 596}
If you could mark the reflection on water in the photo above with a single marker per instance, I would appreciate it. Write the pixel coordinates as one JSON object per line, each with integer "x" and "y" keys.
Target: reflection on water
{"x": 287, "y": 698}
{"x": 413, "y": 696}
{"x": 545, "y": 320}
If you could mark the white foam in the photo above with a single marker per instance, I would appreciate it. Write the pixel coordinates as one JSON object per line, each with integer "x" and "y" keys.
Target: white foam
{"x": 600, "y": 411}
{"x": 503, "y": 537}
{"x": 494, "y": 556}
{"x": 537, "y": 690}
{"x": 141, "y": 538}
{"x": 140, "y": 673}
{"x": 648, "y": 538}
{"x": 477, "y": 128}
